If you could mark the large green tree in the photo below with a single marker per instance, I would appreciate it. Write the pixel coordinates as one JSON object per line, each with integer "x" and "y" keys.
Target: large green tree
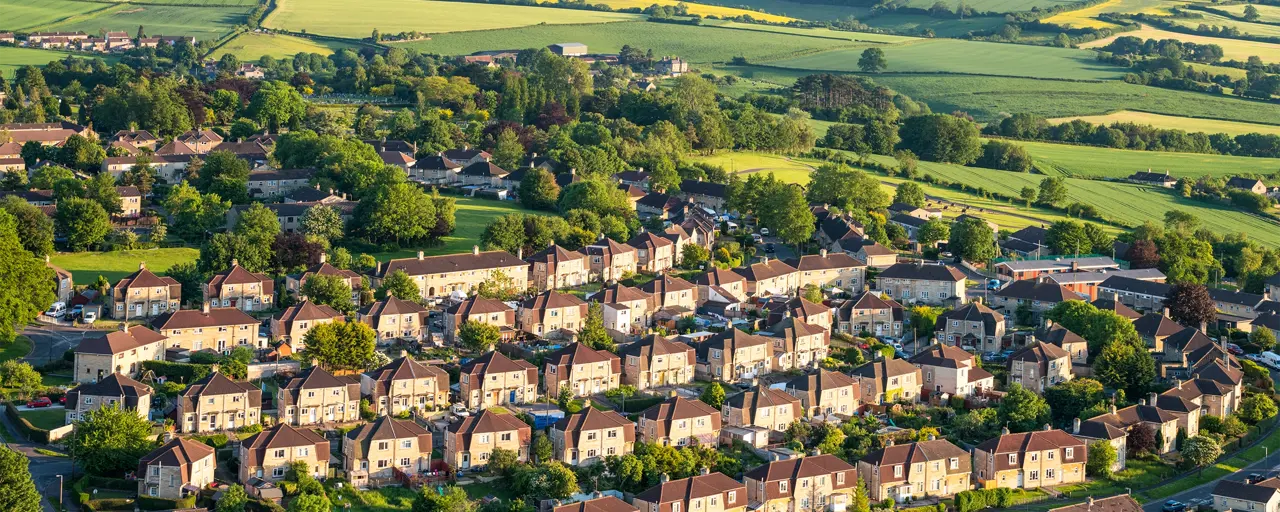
{"x": 834, "y": 184}
{"x": 332, "y": 291}
{"x": 82, "y": 222}
{"x": 110, "y": 440}
{"x": 451, "y": 499}
{"x": 909, "y": 192}
{"x": 226, "y": 175}
{"x": 277, "y": 105}
{"x": 340, "y": 345}
{"x": 17, "y": 491}
{"x": 397, "y": 213}
{"x": 35, "y": 229}
{"x": 323, "y": 222}
{"x": 1070, "y": 399}
{"x": 1022, "y": 410}
{"x": 942, "y": 138}
{"x": 399, "y": 284}
{"x": 1125, "y": 364}
{"x": 194, "y": 214}
{"x": 478, "y": 336}
{"x": 593, "y": 333}
{"x": 538, "y": 190}
{"x": 973, "y": 240}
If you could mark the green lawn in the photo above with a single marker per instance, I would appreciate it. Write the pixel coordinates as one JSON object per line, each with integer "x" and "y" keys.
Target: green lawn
{"x": 87, "y": 266}
{"x": 20, "y": 15}
{"x": 47, "y": 419}
{"x": 19, "y": 348}
{"x": 250, "y": 46}
{"x": 339, "y": 18}
{"x": 1267, "y": 13}
{"x": 1089, "y": 161}
{"x": 12, "y": 58}
{"x": 911, "y": 23}
{"x": 386, "y": 499}
{"x": 203, "y": 23}
{"x": 866, "y": 37}
{"x": 497, "y": 488}
{"x": 969, "y": 57}
{"x": 472, "y": 217}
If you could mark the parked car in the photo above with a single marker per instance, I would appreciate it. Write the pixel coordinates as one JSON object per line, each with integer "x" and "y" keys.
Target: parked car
{"x": 764, "y": 231}
{"x": 969, "y": 348}
{"x": 40, "y": 402}
{"x": 768, "y": 247}
{"x": 90, "y": 316}
{"x": 77, "y": 311}
{"x": 1174, "y": 506}
{"x": 1234, "y": 349}
{"x": 56, "y": 309}
{"x": 1257, "y": 358}
{"x": 993, "y": 284}
{"x": 1271, "y": 359}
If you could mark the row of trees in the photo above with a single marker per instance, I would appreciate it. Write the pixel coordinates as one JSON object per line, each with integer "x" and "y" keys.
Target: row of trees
{"x": 1126, "y": 135}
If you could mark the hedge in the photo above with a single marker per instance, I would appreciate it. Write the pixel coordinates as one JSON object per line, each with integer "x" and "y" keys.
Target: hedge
{"x": 32, "y": 432}
{"x": 109, "y": 504}
{"x": 181, "y": 372}
{"x": 150, "y": 503}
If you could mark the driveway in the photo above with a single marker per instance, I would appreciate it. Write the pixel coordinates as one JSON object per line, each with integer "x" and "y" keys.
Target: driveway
{"x": 51, "y": 341}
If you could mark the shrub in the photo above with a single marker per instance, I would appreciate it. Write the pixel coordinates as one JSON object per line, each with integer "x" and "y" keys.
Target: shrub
{"x": 217, "y": 441}
{"x": 182, "y": 372}
{"x": 109, "y": 504}
{"x": 150, "y": 503}
{"x": 250, "y": 429}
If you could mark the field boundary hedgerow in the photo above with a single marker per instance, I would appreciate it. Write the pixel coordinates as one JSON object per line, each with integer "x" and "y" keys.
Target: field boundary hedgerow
{"x": 916, "y": 73}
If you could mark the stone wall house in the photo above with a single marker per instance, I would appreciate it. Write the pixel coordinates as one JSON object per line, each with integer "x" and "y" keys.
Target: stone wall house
{"x": 178, "y": 468}
{"x": 471, "y": 441}
{"x": 270, "y": 454}
{"x": 316, "y": 397}
{"x": 120, "y": 352}
{"x": 773, "y": 409}
{"x": 657, "y": 361}
{"x": 478, "y": 309}
{"x": 678, "y": 421}
{"x": 824, "y": 393}
{"x": 586, "y": 437}
{"x": 1029, "y": 460}
{"x": 1040, "y": 366}
{"x": 405, "y": 384}
{"x": 885, "y": 381}
{"x": 706, "y": 492}
{"x": 394, "y": 318}
{"x": 439, "y": 276}
{"x": 555, "y": 267}
{"x": 495, "y": 379}
{"x": 374, "y": 451}
{"x": 815, "y": 482}
{"x": 143, "y": 294}
{"x": 582, "y": 370}
{"x": 216, "y": 403}
{"x": 114, "y": 390}
{"x": 238, "y": 288}
{"x": 217, "y": 329}
{"x": 903, "y": 472}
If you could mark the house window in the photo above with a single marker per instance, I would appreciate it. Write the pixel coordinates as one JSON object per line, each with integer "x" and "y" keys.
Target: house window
{"x": 1035, "y": 475}
{"x": 782, "y": 486}
{"x": 279, "y": 454}
{"x": 1050, "y": 455}
{"x": 1048, "y": 473}
{"x": 404, "y": 462}
{"x": 1013, "y": 458}
{"x": 1071, "y": 452}
{"x": 733, "y": 496}
{"x": 897, "y": 471}
{"x": 277, "y": 472}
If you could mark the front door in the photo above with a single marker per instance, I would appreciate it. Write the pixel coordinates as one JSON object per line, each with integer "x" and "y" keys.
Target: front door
{"x": 137, "y": 309}
{"x": 155, "y": 308}
{"x": 513, "y": 397}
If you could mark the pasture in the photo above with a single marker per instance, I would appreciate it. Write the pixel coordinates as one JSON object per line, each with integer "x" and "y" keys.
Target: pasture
{"x": 250, "y": 46}
{"x": 338, "y": 18}
{"x": 910, "y": 23}
{"x": 697, "y": 44}
{"x": 201, "y": 3}
{"x": 23, "y": 15}
{"x": 1189, "y": 124}
{"x": 1237, "y": 49}
{"x": 1266, "y": 13}
{"x": 804, "y": 11}
{"x": 969, "y": 57}
{"x": 1257, "y": 29}
{"x": 703, "y": 10}
{"x": 862, "y": 37}
{"x": 1087, "y": 17}
{"x": 204, "y": 23}
{"x": 12, "y": 58}
{"x": 1096, "y": 162}
{"x": 995, "y": 5}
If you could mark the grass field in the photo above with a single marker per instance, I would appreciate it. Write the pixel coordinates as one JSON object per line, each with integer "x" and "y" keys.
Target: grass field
{"x": 249, "y": 46}
{"x": 956, "y": 56}
{"x": 804, "y": 11}
{"x": 203, "y": 23}
{"x": 1087, "y": 17}
{"x": 915, "y": 23}
{"x": 703, "y": 10}
{"x": 995, "y": 5}
{"x": 12, "y": 58}
{"x": 1189, "y": 124}
{"x": 1089, "y": 161}
{"x": 87, "y": 266}
{"x": 200, "y": 3}
{"x": 695, "y": 44}
{"x": 20, "y": 15}
{"x": 1267, "y": 13}
{"x": 337, "y": 18}
{"x": 1231, "y": 48}
{"x": 1247, "y": 28}
{"x": 472, "y": 217}
{"x": 47, "y": 419}
{"x": 865, "y": 37}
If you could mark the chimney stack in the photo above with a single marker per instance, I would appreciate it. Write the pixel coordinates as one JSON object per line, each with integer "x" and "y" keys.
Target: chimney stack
{"x": 323, "y": 257}
{"x": 236, "y": 262}
{"x": 142, "y": 265}
{"x": 823, "y": 253}
{"x": 1113, "y": 408}
{"x": 213, "y": 368}
{"x": 1004, "y": 431}
{"x": 520, "y": 253}
{"x": 1048, "y": 427}
{"x": 421, "y": 255}
{"x": 1166, "y": 310}
{"x": 404, "y": 353}
{"x": 205, "y": 307}
{"x": 475, "y": 250}
{"x": 1075, "y": 426}
{"x": 1152, "y": 400}
{"x": 664, "y": 478}
{"x": 1142, "y": 401}
{"x": 704, "y": 471}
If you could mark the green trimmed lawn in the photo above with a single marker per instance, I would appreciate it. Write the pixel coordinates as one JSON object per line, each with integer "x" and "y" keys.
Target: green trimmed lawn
{"x": 47, "y": 419}
{"x": 385, "y": 499}
{"x": 497, "y": 488}
{"x": 472, "y": 217}
{"x": 12, "y": 58}
{"x": 17, "y": 349}
{"x": 87, "y": 266}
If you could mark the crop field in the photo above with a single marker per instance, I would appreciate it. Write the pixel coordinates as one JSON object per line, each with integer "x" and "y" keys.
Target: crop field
{"x": 1267, "y": 13}
{"x": 198, "y": 3}
{"x": 249, "y": 46}
{"x": 804, "y": 11}
{"x": 995, "y": 5}
{"x": 1090, "y": 161}
{"x": 910, "y": 23}
{"x": 1189, "y": 124}
{"x": 204, "y": 23}
{"x": 1237, "y": 49}
{"x": 1234, "y": 73}
{"x": 1087, "y": 17}
{"x": 862, "y": 37}
{"x": 339, "y": 18}
{"x": 695, "y": 44}
{"x": 703, "y": 10}
{"x": 956, "y": 56}
{"x": 12, "y": 58}
{"x": 22, "y": 15}
{"x": 1257, "y": 29}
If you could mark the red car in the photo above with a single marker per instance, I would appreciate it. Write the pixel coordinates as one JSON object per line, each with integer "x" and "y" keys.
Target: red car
{"x": 40, "y": 402}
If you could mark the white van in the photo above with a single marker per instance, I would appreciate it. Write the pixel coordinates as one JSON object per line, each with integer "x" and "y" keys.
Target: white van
{"x": 1271, "y": 359}
{"x": 56, "y": 310}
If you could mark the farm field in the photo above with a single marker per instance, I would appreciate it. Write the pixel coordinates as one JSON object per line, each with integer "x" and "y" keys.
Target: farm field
{"x": 916, "y": 23}
{"x": 1089, "y": 161}
{"x": 337, "y": 18}
{"x": 696, "y": 44}
{"x": 21, "y": 15}
{"x": 204, "y": 23}
{"x": 1189, "y": 124}
{"x": 1087, "y": 17}
{"x": 1257, "y": 29}
{"x": 1237, "y": 49}
{"x": 703, "y": 10}
{"x": 1267, "y": 13}
{"x": 995, "y": 5}
{"x": 199, "y": 3}
{"x": 12, "y": 58}
{"x": 87, "y": 266}
{"x": 866, "y": 37}
{"x": 975, "y": 57}
{"x": 249, "y": 46}
{"x": 804, "y": 11}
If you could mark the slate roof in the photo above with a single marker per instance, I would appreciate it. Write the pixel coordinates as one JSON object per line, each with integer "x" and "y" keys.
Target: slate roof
{"x": 1261, "y": 492}
{"x": 1117, "y": 307}
{"x": 655, "y": 345}
{"x": 282, "y": 435}
{"x": 1037, "y": 291}
{"x": 944, "y": 356}
{"x": 449, "y": 263}
{"x": 114, "y": 385}
{"x": 804, "y": 467}
{"x": 909, "y": 454}
{"x": 918, "y": 271}
{"x": 484, "y": 169}
{"x": 1152, "y": 325}
{"x": 1139, "y": 286}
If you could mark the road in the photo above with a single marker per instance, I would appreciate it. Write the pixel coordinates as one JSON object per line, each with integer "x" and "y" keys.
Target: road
{"x": 44, "y": 469}
{"x": 51, "y": 341}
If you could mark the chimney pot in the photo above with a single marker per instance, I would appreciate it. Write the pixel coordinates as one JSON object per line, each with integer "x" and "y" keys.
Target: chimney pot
{"x": 823, "y": 253}
{"x": 664, "y": 478}
{"x": 323, "y": 257}
{"x": 1152, "y": 399}
{"x": 475, "y": 250}
{"x": 704, "y": 471}
{"x": 205, "y": 307}
{"x": 404, "y": 353}
{"x": 236, "y": 262}
{"x": 1048, "y": 427}
{"x": 1113, "y": 408}
{"x": 142, "y": 265}
{"x": 421, "y": 256}
{"x": 1004, "y": 431}
{"x": 1075, "y": 426}
{"x": 1142, "y": 401}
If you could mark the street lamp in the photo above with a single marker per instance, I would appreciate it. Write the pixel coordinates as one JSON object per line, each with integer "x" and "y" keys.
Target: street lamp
{"x": 59, "y": 492}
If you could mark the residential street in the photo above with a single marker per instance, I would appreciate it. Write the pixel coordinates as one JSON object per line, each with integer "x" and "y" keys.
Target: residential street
{"x": 51, "y": 341}
{"x": 44, "y": 470}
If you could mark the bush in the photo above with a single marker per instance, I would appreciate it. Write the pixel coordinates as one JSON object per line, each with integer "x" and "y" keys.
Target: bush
{"x": 250, "y": 429}
{"x": 217, "y": 441}
{"x": 182, "y": 372}
{"x": 109, "y": 504}
{"x": 149, "y": 503}
{"x": 36, "y": 434}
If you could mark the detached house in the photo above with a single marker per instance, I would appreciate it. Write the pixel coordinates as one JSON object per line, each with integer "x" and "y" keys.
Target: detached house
{"x": 885, "y": 381}
{"x": 588, "y": 436}
{"x": 376, "y": 451}
{"x": 919, "y": 283}
{"x": 495, "y": 379}
{"x": 816, "y": 482}
{"x": 405, "y": 384}
{"x": 1040, "y": 366}
{"x": 270, "y": 454}
{"x": 824, "y": 393}
{"x": 678, "y": 421}
{"x": 657, "y": 361}
{"x": 120, "y": 352}
{"x": 217, "y": 403}
{"x": 554, "y": 268}
{"x": 1030, "y": 460}
{"x": 950, "y": 370}
{"x": 238, "y": 288}
{"x": 143, "y": 294}
{"x": 470, "y": 442}
{"x": 709, "y": 492}
{"x": 933, "y": 468}
{"x": 176, "y": 469}
{"x": 318, "y": 397}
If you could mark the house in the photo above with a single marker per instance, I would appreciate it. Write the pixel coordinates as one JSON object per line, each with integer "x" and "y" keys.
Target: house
{"x": 293, "y": 323}
{"x": 656, "y": 361}
{"x": 634, "y": 178}
{"x": 1034, "y": 269}
{"x": 704, "y": 194}
{"x": 217, "y": 403}
{"x": 316, "y": 397}
{"x": 912, "y": 471}
{"x": 114, "y": 390}
{"x": 589, "y": 436}
{"x": 1163, "y": 423}
{"x": 864, "y": 249}
{"x": 678, "y": 421}
{"x": 130, "y": 202}
{"x": 466, "y": 155}
{"x": 763, "y": 407}
{"x": 1040, "y": 366}
{"x": 64, "y": 283}
{"x": 121, "y": 352}
{"x": 973, "y": 324}
{"x": 478, "y": 309}
{"x": 241, "y": 289}
{"x": 1116, "y": 307}
{"x": 681, "y": 238}
{"x": 554, "y": 268}
{"x": 829, "y": 270}
{"x": 825, "y": 393}
{"x": 1208, "y": 396}
{"x": 915, "y": 211}
{"x": 673, "y": 294}
{"x": 1073, "y": 344}
{"x": 1236, "y": 306}
{"x": 1135, "y": 293}
{"x": 821, "y": 481}
{"x": 550, "y": 311}
{"x": 1153, "y": 178}
{"x": 1248, "y": 184}
{"x": 925, "y": 284}
{"x": 582, "y": 370}
{"x": 178, "y": 468}
{"x": 293, "y": 283}
{"x": 655, "y": 254}
{"x": 218, "y": 329}
{"x": 47, "y": 134}
{"x": 482, "y": 174}
{"x": 435, "y": 170}
{"x": 438, "y": 276}
{"x": 733, "y": 355}
{"x": 271, "y": 183}
{"x": 1029, "y": 460}
{"x": 1039, "y": 296}
{"x": 910, "y": 225}
{"x": 270, "y": 454}
{"x": 291, "y": 213}
{"x": 405, "y": 384}
{"x": 798, "y": 345}
{"x": 394, "y": 318}
{"x": 885, "y": 381}
{"x": 770, "y": 277}
{"x": 170, "y": 168}
{"x": 202, "y": 140}
{"x": 469, "y": 443}
{"x": 143, "y": 294}
{"x": 1263, "y": 496}
{"x": 948, "y": 369}
{"x": 623, "y": 308}
{"x": 568, "y": 49}
{"x": 672, "y": 66}
{"x": 870, "y": 313}
{"x": 723, "y": 282}
{"x": 800, "y": 308}
{"x": 609, "y": 261}
{"x": 495, "y": 379}
{"x": 375, "y": 452}
{"x": 1028, "y": 242}
{"x": 1155, "y": 328}
{"x": 1086, "y": 284}
{"x": 713, "y": 492}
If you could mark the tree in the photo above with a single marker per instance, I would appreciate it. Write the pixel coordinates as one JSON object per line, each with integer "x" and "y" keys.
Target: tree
{"x": 322, "y": 222}
{"x": 843, "y": 186}
{"x": 552, "y": 480}
{"x": 789, "y": 215}
{"x": 1200, "y": 451}
{"x": 1022, "y": 410}
{"x": 933, "y": 231}
{"x": 1102, "y": 456}
{"x": 502, "y": 461}
{"x": 332, "y": 291}
{"x": 226, "y": 175}
{"x": 1256, "y": 408}
{"x": 713, "y": 395}
{"x": 861, "y": 500}
{"x": 872, "y": 60}
{"x": 593, "y": 333}
{"x": 82, "y": 222}
{"x": 1142, "y": 254}
{"x": 1053, "y": 190}
{"x": 310, "y": 503}
{"x": 1251, "y": 13}
{"x": 1125, "y": 364}
{"x": 1262, "y": 338}
{"x": 694, "y": 256}
{"x": 812, "y": 293}
{"x": 924, "y": 319}
{"x": 941, "y": 138}
{"x": 621, "y": 394}
{"x": 543, "y": 451}
{"x": 451, "y": 499}
{"x": 972, "y": 240}
{"x": 1072, "y": 398}
{"x": 102, "y": 189}
{"x": 1028, "y": 195}
{"x": 1191, "y": 305}
{"x": 34, "y": 228}
{"x": 538, "y": 190}
{"x": 478, "y": 336}
{"x": 1068, "y": 237}
{"x": 909, "y": 192}
{"x": 508, "y": 151}
{"x": 498, "y": 286}
{"x": 1142, "y": 439}
{"x": 276, "y": 105}
{"x": 399, "y": 284}
{"x": 46, "y": 177}
{"x": 194, "y": 214}
{"x": 233, "y": 500}
{"x": 399, "y": 213}
{"x": 21, "y": 376}
{"x": 340, "y": 345}
{"x": 17, "y": 491}
{"x": 110, "y": 440}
